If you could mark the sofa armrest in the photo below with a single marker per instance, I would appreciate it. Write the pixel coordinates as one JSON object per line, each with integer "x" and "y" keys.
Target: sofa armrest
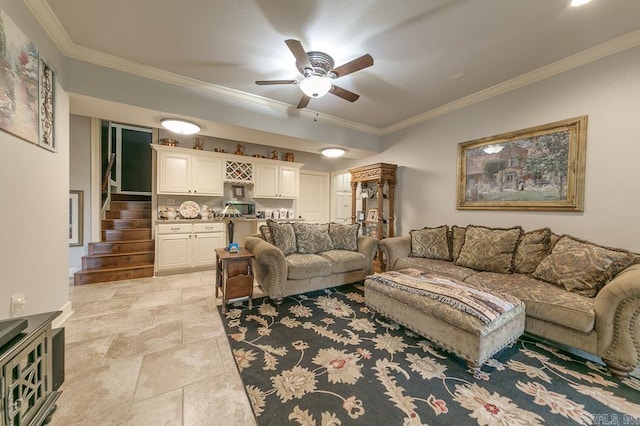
{"x": 270, "y": 266}
{"x": 617, "y": 311}
{"x": 395, "y": 248}
{"x": 369, "y": 247}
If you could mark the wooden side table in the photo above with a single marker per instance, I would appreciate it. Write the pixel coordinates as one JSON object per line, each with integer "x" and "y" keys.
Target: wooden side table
{"x": 234, "y": 276}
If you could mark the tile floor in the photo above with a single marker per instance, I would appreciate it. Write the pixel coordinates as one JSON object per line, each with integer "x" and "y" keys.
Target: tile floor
{"x": 150, "y": 351}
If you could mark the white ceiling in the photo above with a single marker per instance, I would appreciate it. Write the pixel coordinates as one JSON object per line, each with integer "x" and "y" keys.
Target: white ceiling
{"x": 417, "y": 45}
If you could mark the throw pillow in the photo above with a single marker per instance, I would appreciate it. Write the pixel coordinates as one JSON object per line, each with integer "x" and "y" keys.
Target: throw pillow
{"x": 344, "y": 237}
{"x": 457, "y": 240}
{"x": 312, "y": 238}
{"x": 431, "y": 243}
{"x": 283, "y": 236}
{"x": 489, "y": 249}
{"x": 533, "y": 247}
{"x": 266, "y": 234}
{"x": 582, "y": 267}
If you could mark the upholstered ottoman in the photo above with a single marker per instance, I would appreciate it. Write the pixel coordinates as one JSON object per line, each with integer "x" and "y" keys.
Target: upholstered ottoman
{"x": 468, "y": 322}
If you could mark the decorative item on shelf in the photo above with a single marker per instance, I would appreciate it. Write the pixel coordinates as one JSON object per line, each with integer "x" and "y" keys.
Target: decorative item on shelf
{"x": 169, "y": 142}
{"x": 372, "y": 215}
{"x": 172, "y": 214}
{"x": 162, "y": 212}
{"x": 204, "y": 212}
{"x": 288, "y": 156}
{"x": 219, "y": 150}
{"x": 274, "y": 155}
{"x": 189, "y": 209}
{"x": 258, "y": 156}
{"x": 239, "y": 150}
{"x": 198, "y": 143}
{"x": 228, "y": 213}
{"x": 292, "y": 214}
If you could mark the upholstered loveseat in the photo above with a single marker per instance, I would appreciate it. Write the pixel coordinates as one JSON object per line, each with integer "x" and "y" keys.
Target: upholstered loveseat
{"x": 575, "y": 293}
{"x": 294, "y": 258}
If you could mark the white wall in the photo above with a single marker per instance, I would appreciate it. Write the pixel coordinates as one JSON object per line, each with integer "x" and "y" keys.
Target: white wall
{"x": 34, "y": 219}
{"x": 80, "y": 179}
{"x": 606, "y": 90}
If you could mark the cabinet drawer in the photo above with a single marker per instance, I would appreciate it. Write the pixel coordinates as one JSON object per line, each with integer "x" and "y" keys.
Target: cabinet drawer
{"x": 174, "y": 228}
{"x": 208, "y": 227}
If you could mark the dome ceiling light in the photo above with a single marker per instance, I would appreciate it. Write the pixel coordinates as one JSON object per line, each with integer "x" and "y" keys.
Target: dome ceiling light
{"x": 333, "y": 152}
{"x": 179, "y": 126}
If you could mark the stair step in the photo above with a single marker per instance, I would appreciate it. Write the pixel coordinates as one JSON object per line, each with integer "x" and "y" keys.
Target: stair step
{"x": 105, "y": 261}
{"x": 126, "y": 234}
{"x": 130, "y": 197}
{"x": 112, "y": 274}
{"x": 133, "y": 246}
{"x": 130, "y": 205}
{"x": 125, "y": 223}
{"x": 129, "y": 214}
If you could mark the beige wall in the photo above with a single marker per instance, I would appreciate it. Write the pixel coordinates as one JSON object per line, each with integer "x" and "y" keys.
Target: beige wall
{"x": 606, "y": 90}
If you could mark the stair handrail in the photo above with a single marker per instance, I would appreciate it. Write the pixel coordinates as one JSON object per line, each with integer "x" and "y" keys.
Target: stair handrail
{"x": 107, "y": 173}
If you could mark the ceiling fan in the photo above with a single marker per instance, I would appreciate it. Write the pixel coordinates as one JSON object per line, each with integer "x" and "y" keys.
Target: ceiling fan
{"x": 318, "y": 71}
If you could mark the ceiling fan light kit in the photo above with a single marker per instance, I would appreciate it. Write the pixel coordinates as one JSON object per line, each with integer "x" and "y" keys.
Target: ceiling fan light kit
{"x": 182, "y": 127}
{"x": 333, "y": 152}
{"x": 319, "y": 72}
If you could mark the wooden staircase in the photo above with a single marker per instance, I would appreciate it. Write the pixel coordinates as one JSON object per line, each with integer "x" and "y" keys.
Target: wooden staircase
{"x": 126, "y": 250}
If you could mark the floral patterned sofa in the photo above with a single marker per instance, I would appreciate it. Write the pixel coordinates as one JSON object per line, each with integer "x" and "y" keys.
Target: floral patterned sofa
{"x": 294, "y": 258}
{"x": 575, "y": 293}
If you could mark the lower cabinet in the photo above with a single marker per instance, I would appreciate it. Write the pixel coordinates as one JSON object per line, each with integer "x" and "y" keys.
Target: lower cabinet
{"x": 181, "y": 246}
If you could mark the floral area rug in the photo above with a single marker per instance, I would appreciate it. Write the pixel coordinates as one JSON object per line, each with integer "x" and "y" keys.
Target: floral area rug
{"x": 320, "y": 359}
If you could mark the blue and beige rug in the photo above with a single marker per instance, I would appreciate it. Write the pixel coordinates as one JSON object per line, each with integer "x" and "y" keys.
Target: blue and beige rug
{"x": 319, "y": 359}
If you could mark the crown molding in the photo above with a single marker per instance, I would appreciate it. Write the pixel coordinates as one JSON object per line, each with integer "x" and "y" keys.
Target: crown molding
{"x": 582, "y": 58}
{"x": 47, "y": 19}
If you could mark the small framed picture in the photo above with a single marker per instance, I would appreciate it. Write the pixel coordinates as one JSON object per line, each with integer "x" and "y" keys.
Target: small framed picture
{"x": 238, "y": 191}
{"x": 360, "y": 216}
{"x": 372, "y": 215}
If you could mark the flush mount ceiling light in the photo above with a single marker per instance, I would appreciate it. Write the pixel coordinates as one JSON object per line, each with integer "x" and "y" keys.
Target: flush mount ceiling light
{"x": 493, "y": 149}
{"x": 315, "y": 86}
{"x": 576, "y": 3}
{"x": 333, "y": 152}
{"x": 182, "y": 127}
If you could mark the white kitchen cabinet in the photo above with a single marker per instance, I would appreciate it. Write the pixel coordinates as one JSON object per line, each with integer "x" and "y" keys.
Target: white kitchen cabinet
{"x": 184, "y": 246}
{"x": 276, "y": 181}
{"x": 189, "y": 173}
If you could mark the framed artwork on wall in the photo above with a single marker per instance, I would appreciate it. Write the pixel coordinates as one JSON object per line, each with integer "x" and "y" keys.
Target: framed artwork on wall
{"x": 76, "y": 208}
{"x": 46, "y": 103}
{"x": 238, "y": 192}
{"x": 539, "y": 168}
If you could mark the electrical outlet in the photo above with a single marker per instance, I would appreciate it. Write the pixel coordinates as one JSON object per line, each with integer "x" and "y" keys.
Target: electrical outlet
{"x": 18, "y": 301}
{"x": 171, "y": 202}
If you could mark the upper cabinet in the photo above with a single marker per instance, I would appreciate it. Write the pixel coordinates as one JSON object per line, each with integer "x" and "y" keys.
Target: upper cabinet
{"x": 181, "y": 172}
{"x": 185, "y": 171}
{"x": 276, "y": 181}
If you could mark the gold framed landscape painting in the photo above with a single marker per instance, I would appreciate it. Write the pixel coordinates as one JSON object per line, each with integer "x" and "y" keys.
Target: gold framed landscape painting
{"x": 539, "y": 168}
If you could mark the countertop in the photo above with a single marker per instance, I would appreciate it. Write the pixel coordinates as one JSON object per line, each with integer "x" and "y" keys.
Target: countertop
{"x": 220, "y": 219}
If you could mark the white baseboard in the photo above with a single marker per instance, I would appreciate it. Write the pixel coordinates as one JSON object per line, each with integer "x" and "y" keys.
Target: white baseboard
{"x": 73, "y": 271}
{"x": 67, "y": 311}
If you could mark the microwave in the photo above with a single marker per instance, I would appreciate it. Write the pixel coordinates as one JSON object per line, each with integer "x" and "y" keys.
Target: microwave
{"x": 245, "y": 208}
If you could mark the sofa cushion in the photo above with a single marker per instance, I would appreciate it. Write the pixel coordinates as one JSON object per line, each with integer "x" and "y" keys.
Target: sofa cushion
{"x": 312, "y": 238}
{"x": 489, "y": 249}
{"x": 283, "y": 236}
{"x": 266, "y": 234}
{"x": 582, "y": 267}
{"x": 345, "y": 260}
{"x": 544, "y": 301}
{"x": 457, "y": 240}
{"x": 441, "y": 267}
{"x": 302, "y": 266}
{"x": 343, "y": 236}
{"x": 432, "y": 243}
{"x": 532, "y": 248}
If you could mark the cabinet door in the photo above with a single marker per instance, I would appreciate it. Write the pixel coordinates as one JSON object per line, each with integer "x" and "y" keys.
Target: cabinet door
{"x": 266, "y": 181}
{"x": 204, "y": 246}
{"x": 174, "y": 173}
{"x": 288, "y": 180}
{"x": 173, "y": 251}
{"x": 206, "y": 176}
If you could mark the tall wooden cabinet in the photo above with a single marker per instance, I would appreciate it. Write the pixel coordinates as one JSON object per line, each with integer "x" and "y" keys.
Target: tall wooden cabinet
{"x": 377, "y": 184}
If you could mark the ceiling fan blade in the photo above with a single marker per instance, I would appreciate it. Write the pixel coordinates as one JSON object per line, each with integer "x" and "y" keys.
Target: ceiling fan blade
{"x": 302, "y": 60}
{"x": 268, "y": 82}
{"x": 344, "y": 93}
{"x": 362, "y": 62}
{"x": 304, "y": 101}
